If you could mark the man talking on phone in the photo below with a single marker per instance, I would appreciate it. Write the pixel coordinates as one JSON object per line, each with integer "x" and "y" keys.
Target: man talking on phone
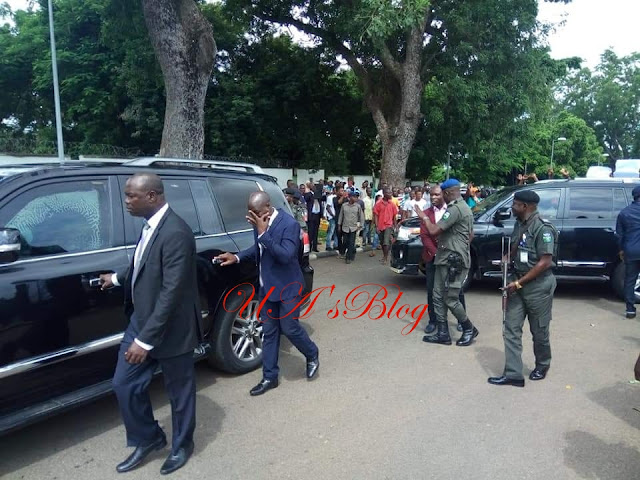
{"x": 275, "y": 253}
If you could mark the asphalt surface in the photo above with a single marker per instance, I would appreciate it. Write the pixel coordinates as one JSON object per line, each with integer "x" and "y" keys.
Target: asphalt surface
{"x": 387, "y": 405}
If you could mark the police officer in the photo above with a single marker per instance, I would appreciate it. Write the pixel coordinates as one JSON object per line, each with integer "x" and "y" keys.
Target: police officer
{"x": 533, "y": 245}
{"x": 299, "y": 211}
{"x": 453, "y": 260}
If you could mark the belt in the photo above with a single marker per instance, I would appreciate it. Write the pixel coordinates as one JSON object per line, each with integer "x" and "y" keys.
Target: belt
{"x": 542, "y": 276}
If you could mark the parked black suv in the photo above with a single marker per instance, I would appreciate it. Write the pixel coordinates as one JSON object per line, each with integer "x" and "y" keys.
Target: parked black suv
{"x": 59, "y": 332}
{"x": 583, "y": 210}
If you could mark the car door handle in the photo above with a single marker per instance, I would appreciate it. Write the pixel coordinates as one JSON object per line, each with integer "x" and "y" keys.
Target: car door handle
{"x": 94, "y": 282}
{"x": 609, "y": 230}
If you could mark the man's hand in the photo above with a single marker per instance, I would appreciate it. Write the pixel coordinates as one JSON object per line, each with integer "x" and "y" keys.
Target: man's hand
{"x": 135, "y": 354}
{"x": 226, "y": 259}
{"x": 510, "y": 288}
{"x": 261, "y": 222}
{"x": 620, "y": 254}
{"x": 416, "y": 208}
{"x": 106, "y": 281}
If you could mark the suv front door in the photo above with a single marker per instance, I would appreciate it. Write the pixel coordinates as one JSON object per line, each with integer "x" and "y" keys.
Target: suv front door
{"x": 58, "y": 330}
{"x": 549, "y": 209}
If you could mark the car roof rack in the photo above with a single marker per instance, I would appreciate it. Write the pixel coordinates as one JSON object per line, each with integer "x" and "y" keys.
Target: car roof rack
{"x": 193, "y": 163}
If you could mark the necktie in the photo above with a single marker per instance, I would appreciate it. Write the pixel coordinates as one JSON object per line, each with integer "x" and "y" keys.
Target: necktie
{"x": 137, "y": 256}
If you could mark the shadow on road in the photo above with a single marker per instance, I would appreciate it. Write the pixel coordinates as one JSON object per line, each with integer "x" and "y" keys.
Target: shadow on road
{"x": 73, "y": 428}
{"x": 591, "y": 457}
{"x": 620, "y": 399}
{"x": 209, "y": 416}
{"x": 490, "y": 359}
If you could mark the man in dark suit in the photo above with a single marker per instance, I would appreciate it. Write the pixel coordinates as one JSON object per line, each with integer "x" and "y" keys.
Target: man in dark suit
{"x": 276, "y": 255}
{"x": 161, "y": 303}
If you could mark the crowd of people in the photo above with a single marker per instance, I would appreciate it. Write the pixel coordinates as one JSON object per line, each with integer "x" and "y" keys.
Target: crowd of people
{"x": 353, "y": 215}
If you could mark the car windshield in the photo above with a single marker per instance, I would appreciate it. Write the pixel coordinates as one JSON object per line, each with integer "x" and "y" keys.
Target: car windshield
{"x": 491, "y": 201}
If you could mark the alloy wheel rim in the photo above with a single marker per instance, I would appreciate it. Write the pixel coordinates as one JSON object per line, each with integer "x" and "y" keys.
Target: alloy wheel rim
{"x": 247, "y": 334}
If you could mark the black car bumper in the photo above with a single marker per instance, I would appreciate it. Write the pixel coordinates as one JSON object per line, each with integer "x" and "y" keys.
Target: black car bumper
{"x": 405, "y": 258}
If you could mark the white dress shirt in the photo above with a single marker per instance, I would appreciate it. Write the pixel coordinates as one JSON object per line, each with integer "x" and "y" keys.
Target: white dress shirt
{"x": 439, "y": 212}
{"x": 153, "y": 223}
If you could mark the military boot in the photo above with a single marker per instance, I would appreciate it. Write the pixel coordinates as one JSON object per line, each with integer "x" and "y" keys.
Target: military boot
{"x": 442, "y": 336}
{"x": 469, "y": 332}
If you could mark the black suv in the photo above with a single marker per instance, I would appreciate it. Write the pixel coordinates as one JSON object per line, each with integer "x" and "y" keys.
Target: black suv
{"x": 583, "y": 210}
{"x": 59, "y": 332}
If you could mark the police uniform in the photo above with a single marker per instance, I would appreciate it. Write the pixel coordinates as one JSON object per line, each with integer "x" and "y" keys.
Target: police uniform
{"x": 299, "y": 212}
{"x": 452, "y": 262}
{"x": 531, "y": 240}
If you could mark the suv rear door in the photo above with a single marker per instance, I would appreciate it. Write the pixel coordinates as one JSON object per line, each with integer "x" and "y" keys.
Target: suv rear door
{"x": 588, "y": 245}
{"x": 191, "y": 199}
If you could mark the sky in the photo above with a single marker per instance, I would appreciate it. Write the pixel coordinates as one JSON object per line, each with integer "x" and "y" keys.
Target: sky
{"x": 589, "y": 28}
{"x": 592, "y": 26}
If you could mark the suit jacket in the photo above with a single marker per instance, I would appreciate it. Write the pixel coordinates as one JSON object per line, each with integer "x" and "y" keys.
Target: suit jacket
{"x": 429, "y": 243}
{"x": 309, "y": 197}
{"x": 279, "y": 262}
{"x": 165, "y": 294}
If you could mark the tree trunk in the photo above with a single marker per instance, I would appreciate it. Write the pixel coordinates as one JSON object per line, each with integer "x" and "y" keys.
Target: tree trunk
{"x": 395, "y": 154}
{"x": 397, "y": 127}
{"x": 184, "y": 46}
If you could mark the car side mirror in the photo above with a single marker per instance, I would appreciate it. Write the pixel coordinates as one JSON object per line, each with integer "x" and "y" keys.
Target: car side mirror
{"x": 502, "y": 214}
{"x": 9, "y": 245}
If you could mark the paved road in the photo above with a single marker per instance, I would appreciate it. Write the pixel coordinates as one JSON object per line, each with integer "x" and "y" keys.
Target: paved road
{"x": 387, "y": 405}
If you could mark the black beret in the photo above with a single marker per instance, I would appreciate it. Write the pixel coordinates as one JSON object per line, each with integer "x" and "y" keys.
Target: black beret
{"x": 290, "y": 191}
{"x": 527, "y": 196}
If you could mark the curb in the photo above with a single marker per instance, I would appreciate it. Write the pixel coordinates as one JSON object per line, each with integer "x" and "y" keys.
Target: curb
{"x": 334, "y": 253}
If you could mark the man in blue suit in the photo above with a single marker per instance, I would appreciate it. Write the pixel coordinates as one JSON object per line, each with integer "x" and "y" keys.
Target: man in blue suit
{"x": 276, "y": 256}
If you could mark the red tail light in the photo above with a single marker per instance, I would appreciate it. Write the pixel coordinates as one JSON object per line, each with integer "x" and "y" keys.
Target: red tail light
{"x": 305, "y": 242}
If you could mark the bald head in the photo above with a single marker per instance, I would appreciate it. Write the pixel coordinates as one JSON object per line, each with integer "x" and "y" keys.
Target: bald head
{"x": 259, "y": 202}
{"x": 148, "y": 182}
{"x": 144, "y": 194}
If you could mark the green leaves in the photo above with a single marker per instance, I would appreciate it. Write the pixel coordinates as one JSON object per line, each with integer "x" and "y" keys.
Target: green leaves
{"x": 382, "y": 19}
{"x": 609, "y": 101}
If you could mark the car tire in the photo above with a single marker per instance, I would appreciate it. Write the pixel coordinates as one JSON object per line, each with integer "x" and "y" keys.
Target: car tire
{"x": 421, "y": 266}
{"x": 617, "y": 283}
{"x": 236, "y": 337}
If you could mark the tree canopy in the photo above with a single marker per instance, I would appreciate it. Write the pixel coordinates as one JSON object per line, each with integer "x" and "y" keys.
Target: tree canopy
{"x": 490, "y": 98}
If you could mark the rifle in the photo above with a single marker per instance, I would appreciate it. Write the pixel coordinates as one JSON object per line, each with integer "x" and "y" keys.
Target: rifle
{"x": 505, "y": 260}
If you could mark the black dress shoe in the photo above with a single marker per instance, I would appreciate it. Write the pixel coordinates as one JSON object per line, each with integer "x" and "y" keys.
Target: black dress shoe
{"x": 431, "y": 327}
{"x": 538, "y": 373}
{"x": 263, "y": 386}
{"x": 177, "y": 460}
{"x": 312, "y": 367}
{"x": 630, "y": 314}
{"x": 467, "y": 337}
{"x": 516, "y": 382}
{"x": 140, "y": 453}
